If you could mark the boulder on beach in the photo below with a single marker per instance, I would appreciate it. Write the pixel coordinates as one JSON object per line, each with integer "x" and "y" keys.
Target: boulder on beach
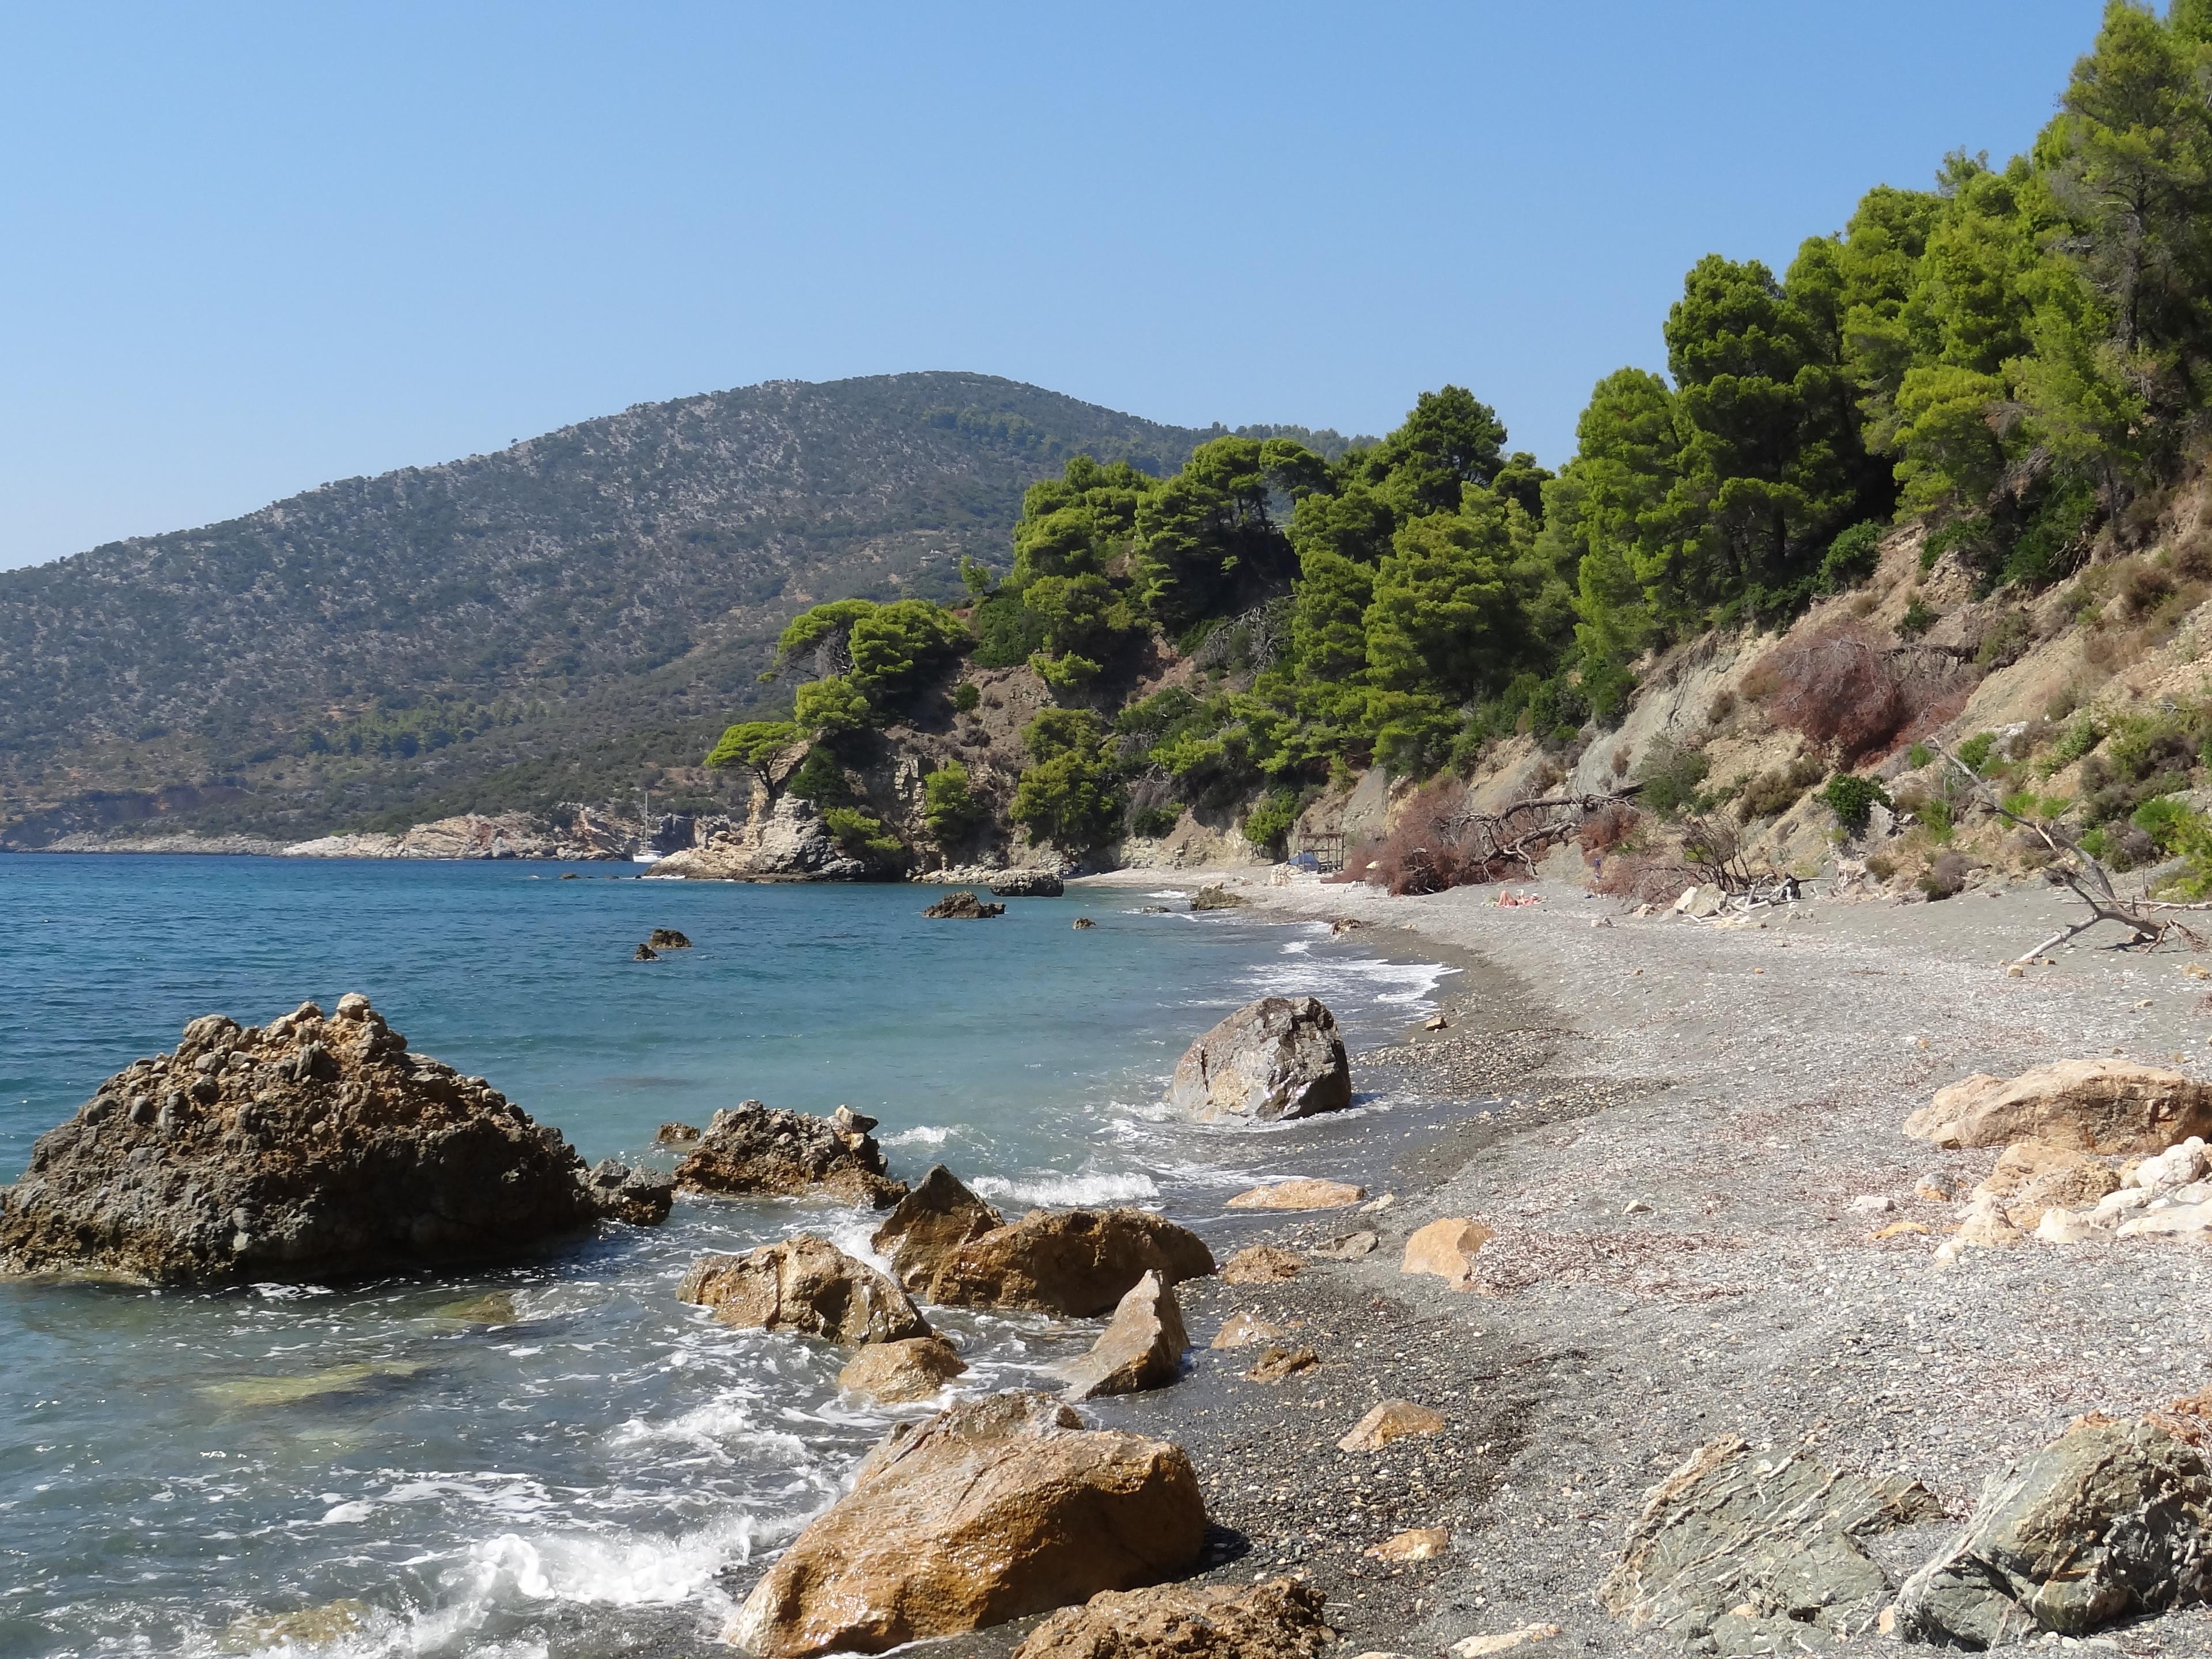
{"x": 2108, "y": 1523}
{"x": 806, "y": 1284}
{"x": 894, "y": 1373}
{"x": 1299, "y": 1195}
{"x": 1741, "y": 1552}
{"x": 1281, "y": 1618}
{"x": 1393, "y": 1420}
{"x": 1077, "y": 1262}
{"x": 1218, "y": 898}
{"x": 1262, "y": 1264}
{"x": 992, "y": 1509}
{"x": 1028, "y": 883}
{"x": 1446, "y": 1248}
{"x": 1242, "y": 1330}
{"x": 1276, "y": 1058}
{"x": 761, "y": 1149}
{"x": 2101, "y": 1105}
{"x": 964, "y": 906}
{"x": 1141, "y": 1347}
{"x": 667, "y": 939}
{"x": 312, "y": 1147}
{"x": 930, "y": 1223}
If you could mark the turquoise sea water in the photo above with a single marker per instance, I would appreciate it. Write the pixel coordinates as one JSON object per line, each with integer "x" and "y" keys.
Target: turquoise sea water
{"x": 587, "y": 1460}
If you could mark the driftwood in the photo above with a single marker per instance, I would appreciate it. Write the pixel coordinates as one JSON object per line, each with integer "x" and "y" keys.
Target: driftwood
{"x": 2084, "y": 875}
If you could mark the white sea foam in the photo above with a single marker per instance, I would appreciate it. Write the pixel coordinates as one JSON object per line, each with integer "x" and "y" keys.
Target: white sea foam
{"x": 922, "y": 1134}
{"x": 1124, "y": 1188}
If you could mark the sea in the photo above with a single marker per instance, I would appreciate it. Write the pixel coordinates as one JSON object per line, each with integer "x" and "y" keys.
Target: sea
{"x": 553, "y": 1456}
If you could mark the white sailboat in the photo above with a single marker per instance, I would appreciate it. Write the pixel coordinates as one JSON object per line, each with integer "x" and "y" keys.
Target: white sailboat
{"x": 644, "y": 854}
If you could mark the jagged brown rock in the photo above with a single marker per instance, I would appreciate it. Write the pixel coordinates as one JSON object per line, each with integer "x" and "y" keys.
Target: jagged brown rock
{"x": 964, "y": 906}
{"x": 312, "y": 1146}
{"x": 761, "y": 1149}
{"x": 1282, "y": 1618}
{"x": 1141, "y": 1347}
{"x": 930, "y": 1223}
{"x": 806, "y": 1284}
{"x": 667, "y": 939}
{"x": 2098, "y": 1105}
{"x": 992, "y": 1509}
{"x": 1078, "y": 1262}
{"x": 1276, "y": 1058}
{"x": 892, "y": 1373}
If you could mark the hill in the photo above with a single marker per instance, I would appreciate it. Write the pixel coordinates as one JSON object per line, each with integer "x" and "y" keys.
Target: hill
{"x": 553, "y": 622}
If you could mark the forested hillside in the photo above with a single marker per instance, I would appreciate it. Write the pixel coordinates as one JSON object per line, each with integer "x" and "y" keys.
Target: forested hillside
{"x": 543, "y": 624}
{"x": 2012, "y": 363}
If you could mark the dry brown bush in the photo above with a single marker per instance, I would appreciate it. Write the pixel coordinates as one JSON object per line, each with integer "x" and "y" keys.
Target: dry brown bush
{"x": 1606, "y": 827}
{"x": 1841, "y": 688}
{"x": 1647, "y": 876}
{"x": 1420, "y": 852}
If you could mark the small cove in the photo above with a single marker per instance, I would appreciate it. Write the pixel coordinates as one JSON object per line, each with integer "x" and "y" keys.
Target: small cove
{"x": 555, "y": 1455}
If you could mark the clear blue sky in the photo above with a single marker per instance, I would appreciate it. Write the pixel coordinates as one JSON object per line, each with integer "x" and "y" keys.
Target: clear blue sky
{"x": 249, "y": 248}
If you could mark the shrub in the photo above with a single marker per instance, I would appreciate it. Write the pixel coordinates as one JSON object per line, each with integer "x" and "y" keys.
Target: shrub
{"x": 1851, "y": 557}
{"x": 1070, "y": 797}
{"x": 1607, "y": 828}
{"x": 821, "y": 779}
{"x": 1771, "y": 795}
{"x": 1723, "y": 705}
{"x": 1852, "y": 799}
{"x": 2180, "y": 832}
{"x": 1880, "y": 865}
{"x": 1842, "y": 687}
{"x": 948, "y": 806}
{"x": 1153, "y": 822}
{"x": 1421, "y": 853}
{"x": 2005, "y": 641}
{"x": 966, "y": 697}
{"x": 1945, "y": 877}
{"x": 1936, "y": 818}
{"x": 2077, "y": 740}
{"x": 829, "y": 706}
{"x": 1917, "y": 618}
{"x": 1670, "y": 775}
{"x": 1267, "y": 825}
{"x": 861, "y": 834}
{"x": 1918, "y": 756}
{"x": 1974, "y": 753}
{"x": 1006, "y": 630}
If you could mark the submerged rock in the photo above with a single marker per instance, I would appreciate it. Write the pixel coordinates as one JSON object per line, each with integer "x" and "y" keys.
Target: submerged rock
{"x": 313, "y": 1146}
{"x": 644, "y": 953}
{"x": 760, "y": 1149}
{"x": 893, "y": 1373}
{"x": 1142, "y": 1347}
{"x": 992, "y": 1509}
{"x": 1282, "y": 1618}
{"x": 930, "y": 1223}
{"x": 2106, "y": 1522}
{"x": 1275, "y": 1058}
{"x": 1077, "y": 1262}
{"x": 1737, "y": 1554}
{"x": 964, "y": 906}
{"x": 806, "y": 1284}
{"x": 2089, "y": 1105}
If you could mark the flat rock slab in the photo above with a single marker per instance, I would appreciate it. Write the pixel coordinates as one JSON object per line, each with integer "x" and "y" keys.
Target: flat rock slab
{"x": 2098, "y": 1105}
{"x": 1300, "y": 1194}
{"x": 1738, "y": 1554}
{"x": 1393, "y": 1420}
{"x": 1282, "y": 1618}
{"x": 806, "y": 1285}
{"x": 2108, "y": 1523}
{"x": 992, "y": 1509}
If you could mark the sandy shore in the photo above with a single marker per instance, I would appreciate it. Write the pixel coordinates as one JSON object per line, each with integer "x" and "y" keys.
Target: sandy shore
{"x": 1746, "y": 1085}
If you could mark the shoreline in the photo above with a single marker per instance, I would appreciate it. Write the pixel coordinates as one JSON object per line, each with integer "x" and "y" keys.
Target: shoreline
{"x": 1675, "y": 1257}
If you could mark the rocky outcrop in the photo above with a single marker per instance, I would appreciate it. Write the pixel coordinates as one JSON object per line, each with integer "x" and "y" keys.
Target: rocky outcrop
{"x": 640, "y": 1197}
{"x": 894, "y": 1373}
{"x": 1028, "y": 883}
{"x": 312, "y": 1146}
{"x": 806, "y": 1284}
{"x": 2108, "y": 1523}
{"x": 760, "y": 1149}
{"x": 964, "y": 906}
{"x": 644, "y": 953}
{"x": 1282, "y": 1618}
{"x": 930, "y": 1223}
{"x": 782, "y": 839}
{"x": 2088, "y": 1105}
{"x": 585, "y": 835}
{"x": 667, "y": 939}
{"x": 1275, "y": 1058}
{"x": 1142, "y": 1347}
{"x": 1737, "y": 1554}
{"x": 1218, "y": 898}
{"x": 1077, "y": 1262}
{"x": 992, "y": 1509}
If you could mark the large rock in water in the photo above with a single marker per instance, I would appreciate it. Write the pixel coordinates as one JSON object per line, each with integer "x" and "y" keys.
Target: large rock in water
{"x": 931, "y": 1223}
{"x": 2106, "y": 1522}
{"x": 990, "y": 1511}
{"x": 964, "y": 906}
{"x": 1028, "y": 883}
{"x": 1077, "y": 1262}
{"x": 806, "y": 1284}
{"x": 1736, "y": 1554}
{"x": 1275, "y": 1058}
{"x": 2089, "y": 1105}
{"x": 759, "y": 1148}
{"x": 309, "y": 1147}
{"x": 1281, "y": 1618}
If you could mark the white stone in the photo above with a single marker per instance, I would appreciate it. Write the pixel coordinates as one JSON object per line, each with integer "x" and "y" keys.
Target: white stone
{"x": 2065, "y": 1227}
{"x": 1872, "y": 1204}
{"x": 2176, "y": 1219}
